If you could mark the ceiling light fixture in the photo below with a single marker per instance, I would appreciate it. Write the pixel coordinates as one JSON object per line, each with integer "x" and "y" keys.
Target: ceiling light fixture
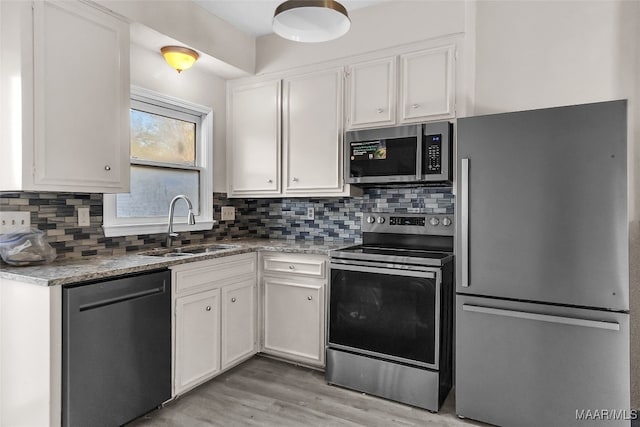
{"x": 180, "y": 58}
{"x": 311, "y": 21}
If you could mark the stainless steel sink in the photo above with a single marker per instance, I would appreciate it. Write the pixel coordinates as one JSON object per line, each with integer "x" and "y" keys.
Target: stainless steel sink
{"x": 186, "y": 251}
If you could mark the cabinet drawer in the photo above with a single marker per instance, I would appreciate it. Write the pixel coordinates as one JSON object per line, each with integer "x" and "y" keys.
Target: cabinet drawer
{"x": 303, "y": 265}
{"x": 214, "y": 273}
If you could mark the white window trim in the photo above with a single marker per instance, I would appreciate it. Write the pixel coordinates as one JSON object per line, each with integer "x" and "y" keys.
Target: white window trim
{"x": 114, "y": 226}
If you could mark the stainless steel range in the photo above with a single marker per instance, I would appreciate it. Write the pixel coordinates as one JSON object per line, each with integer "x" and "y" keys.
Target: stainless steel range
{"x": 391, "y": 310}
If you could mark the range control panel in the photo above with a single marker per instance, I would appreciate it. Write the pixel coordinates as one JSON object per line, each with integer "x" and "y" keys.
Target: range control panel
{"x": 440, "y": 224}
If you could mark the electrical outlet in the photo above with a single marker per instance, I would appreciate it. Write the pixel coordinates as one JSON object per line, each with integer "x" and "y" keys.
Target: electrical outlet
{"x": 14, "y": 221}
{"x": 83, "y": 217}
{"x": 311, "y": 213}
{"x": 228, "y": 213}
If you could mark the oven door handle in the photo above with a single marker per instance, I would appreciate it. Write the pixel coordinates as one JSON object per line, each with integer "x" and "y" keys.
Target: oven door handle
{"x": 391, "y": 271}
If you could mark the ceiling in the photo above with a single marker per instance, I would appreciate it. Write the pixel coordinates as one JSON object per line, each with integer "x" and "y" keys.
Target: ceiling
{"x": 254, "y": 16}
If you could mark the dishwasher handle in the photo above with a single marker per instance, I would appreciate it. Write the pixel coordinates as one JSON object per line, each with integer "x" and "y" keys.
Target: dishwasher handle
{"x": 121, "y": 298}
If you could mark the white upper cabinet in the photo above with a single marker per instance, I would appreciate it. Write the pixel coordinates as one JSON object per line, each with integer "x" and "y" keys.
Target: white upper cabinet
{"x": 72, "y": 71}
{"x": 305, "y": 154}
{"x": 254, "y": 139}
{"x": 424, "y": 91}
{"x": 312, "y": 133}
{"x": 372, "y": 93}
{"x": 426, "y": 85}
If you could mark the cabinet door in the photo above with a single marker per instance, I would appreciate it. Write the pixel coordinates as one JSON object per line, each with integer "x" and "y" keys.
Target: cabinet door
{"x": 427, "y": 90}
{"x": 81, "y": 98}
{"x": 312, "y": 132}
{"x": 294, "y": 319}
{"x": 372, "y": 93}
{"x": 238, "y": 322}
{"x": 197, "y": 339}
{"x": 254, "y": 139}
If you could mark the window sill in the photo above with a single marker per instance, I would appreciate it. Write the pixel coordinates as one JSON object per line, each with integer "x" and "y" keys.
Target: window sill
{"x": 115, "y": 230}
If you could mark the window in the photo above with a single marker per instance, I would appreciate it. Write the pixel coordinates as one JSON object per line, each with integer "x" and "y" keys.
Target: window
{"x": 170, "y": 154}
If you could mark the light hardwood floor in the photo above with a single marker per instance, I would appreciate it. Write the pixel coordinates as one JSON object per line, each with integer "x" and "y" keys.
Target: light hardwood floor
{"x": 267, "y": 392}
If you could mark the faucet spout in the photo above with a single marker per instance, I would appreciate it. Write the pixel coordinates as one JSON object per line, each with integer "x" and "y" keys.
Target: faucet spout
{"x": 191, "y": 218}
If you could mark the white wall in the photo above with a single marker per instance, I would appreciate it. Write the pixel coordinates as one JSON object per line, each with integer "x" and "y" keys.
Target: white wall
{"x": 193, "y": 25}
{"x": 150, "y": 71}
{"x": 532, "y": 54}
{"x": 373, "y": 28}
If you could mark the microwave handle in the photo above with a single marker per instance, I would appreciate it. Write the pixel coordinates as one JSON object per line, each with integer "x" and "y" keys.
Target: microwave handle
{"x": 419, "y": 155}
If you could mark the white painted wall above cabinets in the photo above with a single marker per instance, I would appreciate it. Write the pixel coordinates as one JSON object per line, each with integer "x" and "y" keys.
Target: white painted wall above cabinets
{"x": 383, "y": 26}
{"x": 192, "y": 25}
{"x": 64, "y": 113}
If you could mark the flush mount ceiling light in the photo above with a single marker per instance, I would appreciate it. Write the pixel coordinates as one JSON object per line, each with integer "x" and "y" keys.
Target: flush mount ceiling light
{"x": 311, "y": 21}
{"x": 180, "y": 58}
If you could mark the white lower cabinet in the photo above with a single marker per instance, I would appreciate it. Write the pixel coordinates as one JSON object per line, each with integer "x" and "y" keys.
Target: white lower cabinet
{"x": 197, "y": 338}
{"x": 215, "y": 317}
{"x": 238, "y": 322}
{"x": 294, "y": 307}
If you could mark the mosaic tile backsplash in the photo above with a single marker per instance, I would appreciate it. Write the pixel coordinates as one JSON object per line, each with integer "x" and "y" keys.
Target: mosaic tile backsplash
{"x": 336, "y": 219}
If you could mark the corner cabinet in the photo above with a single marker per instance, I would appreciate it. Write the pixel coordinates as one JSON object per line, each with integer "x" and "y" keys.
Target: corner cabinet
{"x": 424, "y": 90}
{"x": 64, "y": 80}
{"x": 293, "y": 292}
{"x": 215, "y": 317}
{"x": 285, "y": 137}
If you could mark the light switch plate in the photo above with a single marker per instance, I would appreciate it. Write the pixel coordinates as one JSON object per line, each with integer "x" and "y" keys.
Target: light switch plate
{"x": 14, "y": 221}
{"x": 228, "y": 213}
{"x": 83, "y": 217}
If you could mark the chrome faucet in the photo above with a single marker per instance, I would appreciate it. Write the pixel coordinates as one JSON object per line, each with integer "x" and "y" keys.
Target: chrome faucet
{"x": 191, "y": 218}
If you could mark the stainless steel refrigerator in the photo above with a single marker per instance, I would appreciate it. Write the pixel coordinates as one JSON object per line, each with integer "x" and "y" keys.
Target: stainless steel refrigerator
{"x": 542, "y": 304}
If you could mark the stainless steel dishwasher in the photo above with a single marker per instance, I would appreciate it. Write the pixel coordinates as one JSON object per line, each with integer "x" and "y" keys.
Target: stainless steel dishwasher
{"x": 116, "y": 356}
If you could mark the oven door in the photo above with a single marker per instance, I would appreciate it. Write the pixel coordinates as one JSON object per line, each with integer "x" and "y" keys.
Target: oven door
{"x": 386, "y": 311}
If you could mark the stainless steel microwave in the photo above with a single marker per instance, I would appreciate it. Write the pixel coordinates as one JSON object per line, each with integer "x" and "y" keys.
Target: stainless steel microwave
{"x": 409, "y": 153}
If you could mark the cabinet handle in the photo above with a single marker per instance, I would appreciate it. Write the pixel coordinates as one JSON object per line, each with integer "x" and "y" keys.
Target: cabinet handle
{"x": 295, "y": 179}
{"x": 269, "y": 181}
{"x": 310, "y": 298}
{"x": 291, "y": 267}
{"x": 414, "y": 106}
{"x": 208, "y": 308}
{"x": 233, "y": 299}
{"x": 380, "y": 110}
{"x": 107, "y": 168}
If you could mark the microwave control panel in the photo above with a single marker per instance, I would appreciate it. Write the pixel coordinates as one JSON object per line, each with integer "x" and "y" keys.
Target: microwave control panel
{"x": 433, "y": 154}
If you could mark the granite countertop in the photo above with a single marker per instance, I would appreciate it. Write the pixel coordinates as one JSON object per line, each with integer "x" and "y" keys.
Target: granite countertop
{"x": 76, "y": 270}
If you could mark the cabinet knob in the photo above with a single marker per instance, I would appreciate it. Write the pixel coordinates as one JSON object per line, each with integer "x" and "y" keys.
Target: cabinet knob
{"x": 269, "y": 181}
{"x": 295, "y": 179}
{"x": 233, "y": 299}
{"x": 380, "y": 110}
{"x": 107, "y": 168}
{"x": 310, "y": 298}
{"x": 208, "y": 308}
{"x": 414, "y": 106}
{"x": 291, "y": 267}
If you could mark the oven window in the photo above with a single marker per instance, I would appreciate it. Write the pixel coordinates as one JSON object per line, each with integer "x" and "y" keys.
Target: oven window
{"x": 384, "y": 157}
{"x": 386, "y": 314}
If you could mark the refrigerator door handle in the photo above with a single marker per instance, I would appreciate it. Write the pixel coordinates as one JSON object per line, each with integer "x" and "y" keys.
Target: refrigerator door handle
{"x": 599, "y": 324}
{"x": 464, "y": 222}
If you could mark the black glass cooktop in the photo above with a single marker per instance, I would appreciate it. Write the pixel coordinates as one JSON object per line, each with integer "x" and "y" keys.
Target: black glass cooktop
{"x": 396, "y": 252}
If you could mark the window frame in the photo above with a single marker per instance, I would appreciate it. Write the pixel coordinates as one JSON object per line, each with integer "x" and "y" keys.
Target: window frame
{"x": 155, "y": 101}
